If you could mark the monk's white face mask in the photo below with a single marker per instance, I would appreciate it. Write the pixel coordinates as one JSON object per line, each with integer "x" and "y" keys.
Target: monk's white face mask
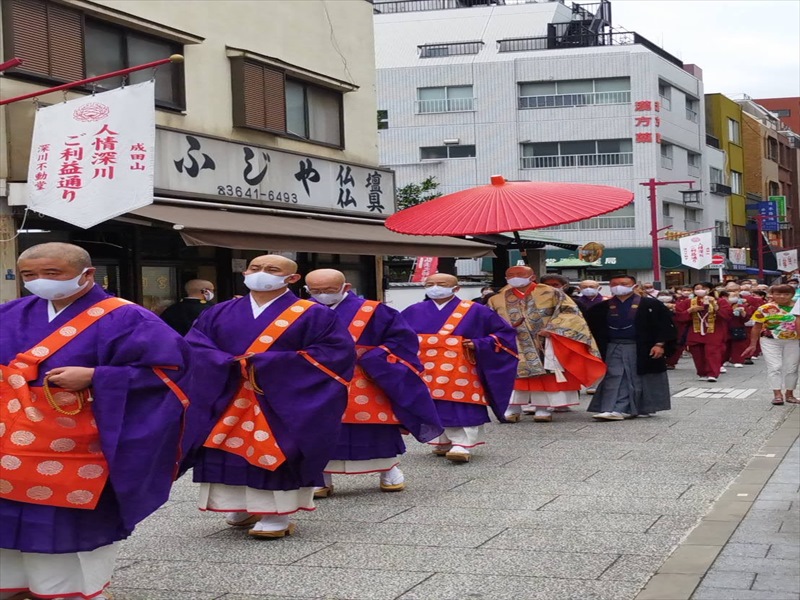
{"x": 265, "y": 282}
{"x": 437, "y": 292}
{"x": 56, "y": 289}
{"x": 518, "y": 282}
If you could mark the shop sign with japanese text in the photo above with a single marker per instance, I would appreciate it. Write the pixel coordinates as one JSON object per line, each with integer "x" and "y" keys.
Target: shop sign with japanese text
{"x": 92, "y": 158}
{"x": 647, "y": 121}
{"x": 787, "y": 260}
{"x": 239, "y": 173}
{"x": 696, "y": 250}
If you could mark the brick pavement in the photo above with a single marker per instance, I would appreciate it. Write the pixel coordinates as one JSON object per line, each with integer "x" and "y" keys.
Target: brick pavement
{"x": 568, "y": 510}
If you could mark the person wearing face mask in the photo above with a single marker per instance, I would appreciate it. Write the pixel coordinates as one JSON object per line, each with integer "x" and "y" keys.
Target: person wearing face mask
{"x": 468, "y": 355}
{"x": 707, "y": 319}
{"x": 91, "y": 425}
{"x": 486, "y": 293}
{"x": 557, "y": 354}
{"x": 181, "y": 315}
{"x": 635, "y": 334}
{"x": 279, "y": 410}
{"x": 738, "y": 332}
{"x": 387, "y": 393}
{"x": 589, "y": 295}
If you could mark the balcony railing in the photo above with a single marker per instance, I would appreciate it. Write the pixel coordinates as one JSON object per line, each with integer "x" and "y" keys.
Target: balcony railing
{"x": 445, "y": 105}
{"x": 693, "y": 170}
{"x": 598, "y": 223}
{"x": 614, "y": 159}
{"x": 584, "y": 99}
{"x": 691, "y": 115}
{"x": 403, "y": 6}
{"x": 720, "y": 189}
{"x": 667, "y": 221}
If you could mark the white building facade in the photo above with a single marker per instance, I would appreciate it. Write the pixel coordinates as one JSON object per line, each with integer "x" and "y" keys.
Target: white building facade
{"x": 544, "y": 92}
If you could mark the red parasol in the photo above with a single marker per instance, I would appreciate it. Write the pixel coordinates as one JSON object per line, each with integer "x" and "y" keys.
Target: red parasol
{"x": 507, "y": 206}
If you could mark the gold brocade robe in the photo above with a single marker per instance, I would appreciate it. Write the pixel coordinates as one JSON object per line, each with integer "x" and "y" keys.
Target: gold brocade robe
{"x": 543, "y": 309}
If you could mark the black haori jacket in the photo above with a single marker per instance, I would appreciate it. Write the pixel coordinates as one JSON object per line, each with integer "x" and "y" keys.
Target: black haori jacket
{"x": 653, "y": 324}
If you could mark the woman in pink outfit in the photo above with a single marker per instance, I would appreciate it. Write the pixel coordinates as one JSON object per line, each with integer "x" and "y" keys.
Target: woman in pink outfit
{"x": 707, "y": 318}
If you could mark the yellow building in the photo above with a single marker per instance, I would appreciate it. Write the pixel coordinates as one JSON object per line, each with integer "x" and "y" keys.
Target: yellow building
{"x": 724, "y": 121}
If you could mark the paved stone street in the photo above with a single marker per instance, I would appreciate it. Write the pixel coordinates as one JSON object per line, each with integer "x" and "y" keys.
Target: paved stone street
{"x": 568, "y": 510}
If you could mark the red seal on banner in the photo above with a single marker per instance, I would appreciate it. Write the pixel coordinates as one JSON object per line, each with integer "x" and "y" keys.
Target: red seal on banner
{"x": 93, "y": 111}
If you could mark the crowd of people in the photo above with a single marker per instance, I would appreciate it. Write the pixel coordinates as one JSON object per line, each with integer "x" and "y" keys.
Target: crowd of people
{"x": 268, "y": 396}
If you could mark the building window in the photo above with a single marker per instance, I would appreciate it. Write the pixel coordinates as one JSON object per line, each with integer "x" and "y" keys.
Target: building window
{"x": 771, "y": 148}
{"x": 666, "y": 155}
{"x": 267, "y": 98}
{"x": 734, "y": 132}
{"x": 580, "y": 92}
{"x": 716, "y": 175}
{"x": 450, "y": 49}
{"x": 383, "y": 119}
{"x": 590, "y": 153}
{"x": 109, "y": 48}
{"x": 457, "y": 98}
{"x": 60, "y": 44}
{"x": 721, "y": 228}
{"x": 691, "y": 219}
{"x": 773, "y": 188}
{"x": 691, "y": 109}
{"x": 693, "y": 163}
{"x": 782, "y": 112}
{"x": 442, "y": 152}
{"x": 736, "y": 183}
{"x": 665, "y": 92}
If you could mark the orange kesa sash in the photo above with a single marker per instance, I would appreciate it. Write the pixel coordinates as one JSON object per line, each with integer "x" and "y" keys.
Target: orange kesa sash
{"x": 450, "y": 371}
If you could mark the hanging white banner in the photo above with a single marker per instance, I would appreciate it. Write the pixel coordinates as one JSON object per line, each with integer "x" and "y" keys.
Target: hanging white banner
{"x": 92, "y": 159}
{"x": 696, "y": 249}
{"x": 787, "y": 260}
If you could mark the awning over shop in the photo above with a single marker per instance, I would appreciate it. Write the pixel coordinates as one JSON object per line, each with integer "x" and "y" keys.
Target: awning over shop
{"x": 254, "y": 231}
{"x": 619, "y": 259}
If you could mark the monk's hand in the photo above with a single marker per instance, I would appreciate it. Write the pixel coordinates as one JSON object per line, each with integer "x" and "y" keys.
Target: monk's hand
{"x": 656, "y": 351}
{"x": 544, "y": 333}
{"x": 72, "y": 379}
{"x": 695, "y": 309}
{"x": 749, "y": 351}
{"x": 468, "y": 344}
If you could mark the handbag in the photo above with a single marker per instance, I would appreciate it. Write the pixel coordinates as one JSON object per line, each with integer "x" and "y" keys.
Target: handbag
{"x": 738, "y": 333}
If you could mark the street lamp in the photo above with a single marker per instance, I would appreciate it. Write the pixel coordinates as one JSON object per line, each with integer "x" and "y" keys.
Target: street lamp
{"x": 693, "y": 196}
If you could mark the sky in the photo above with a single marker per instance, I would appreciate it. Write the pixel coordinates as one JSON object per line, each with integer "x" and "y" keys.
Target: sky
{"x": 743, "y": 46}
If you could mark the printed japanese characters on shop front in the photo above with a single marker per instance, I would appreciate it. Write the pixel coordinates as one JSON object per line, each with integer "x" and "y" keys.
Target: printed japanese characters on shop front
{"x": 234, "y": 172}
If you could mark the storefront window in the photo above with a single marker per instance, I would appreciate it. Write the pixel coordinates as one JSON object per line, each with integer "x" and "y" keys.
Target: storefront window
{"x": 159, "y": 288}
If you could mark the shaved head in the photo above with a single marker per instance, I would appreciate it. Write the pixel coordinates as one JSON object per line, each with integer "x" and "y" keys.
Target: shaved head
{"x": 520, "y": 271}
{"x": 589, "y": 283}
{"x": 442, "y": 279}
{"x": 325, "y": 280}
{"x": 274, "y": 263}
{"x": 195, "y": 287}
{"x": 73, "y": 255}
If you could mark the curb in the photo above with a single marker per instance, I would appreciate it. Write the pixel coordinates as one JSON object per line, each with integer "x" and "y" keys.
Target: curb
{"x": 685, "y": 568}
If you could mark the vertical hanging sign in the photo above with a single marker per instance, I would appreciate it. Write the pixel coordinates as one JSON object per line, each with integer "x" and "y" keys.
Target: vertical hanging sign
{"x": 92, "y": 159}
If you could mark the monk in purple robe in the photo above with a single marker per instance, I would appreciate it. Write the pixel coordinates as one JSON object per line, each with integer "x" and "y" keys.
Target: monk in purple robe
{"x": 463, "y": 389}
{"x": 289, "y": 365}
{"x": 134, "y": 420}
{"x": 387, "y": 394}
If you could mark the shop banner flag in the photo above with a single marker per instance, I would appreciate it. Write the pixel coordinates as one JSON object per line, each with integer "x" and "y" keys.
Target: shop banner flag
{"x": 787, "y": 260}
{"x": 424, "y": 266}
{"x": 738, "y": 256}
{"x": 92, "y": 159}
{"x": 696, "y": 249}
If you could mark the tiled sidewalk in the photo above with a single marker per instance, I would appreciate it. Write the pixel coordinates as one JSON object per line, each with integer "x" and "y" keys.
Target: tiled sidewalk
{"x": 762, "y": 559}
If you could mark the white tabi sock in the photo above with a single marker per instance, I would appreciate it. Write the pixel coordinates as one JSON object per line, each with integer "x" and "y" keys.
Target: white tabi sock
{"x": 272, "y": 523}
{"x": 236, "y": 517}
{"x": 393, "y": 476}
{"x": 459, "y": 450}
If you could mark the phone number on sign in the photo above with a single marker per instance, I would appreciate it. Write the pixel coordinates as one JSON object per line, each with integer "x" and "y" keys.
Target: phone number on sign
{"x": 254, "y": 193}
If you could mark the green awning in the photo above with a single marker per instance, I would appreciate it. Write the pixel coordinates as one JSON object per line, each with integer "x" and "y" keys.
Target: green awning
{"x": 615, "y": 259}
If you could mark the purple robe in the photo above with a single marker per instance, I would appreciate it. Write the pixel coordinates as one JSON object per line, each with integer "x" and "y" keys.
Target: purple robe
{"x": 303, "y": 405}
{"x": 496, "y": 370}
{"x": 138, "y": 417}
{"x": 411, "y": 401}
